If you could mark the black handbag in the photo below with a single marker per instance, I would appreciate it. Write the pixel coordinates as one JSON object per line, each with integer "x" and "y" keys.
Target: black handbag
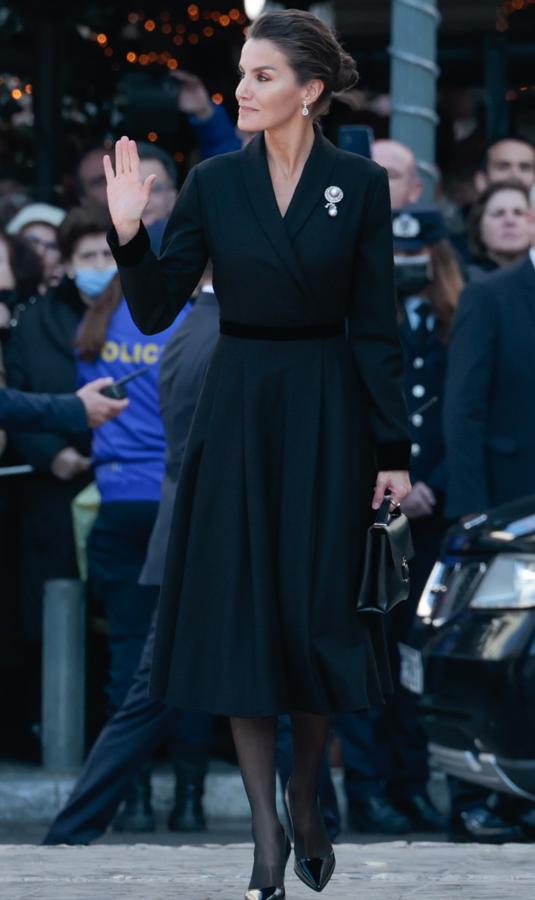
{"x": 386, "y": 580}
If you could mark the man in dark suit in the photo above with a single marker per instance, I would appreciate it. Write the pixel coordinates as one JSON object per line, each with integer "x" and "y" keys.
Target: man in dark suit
{"x": 488, "y": 410}
{"x": 70, "y": 413}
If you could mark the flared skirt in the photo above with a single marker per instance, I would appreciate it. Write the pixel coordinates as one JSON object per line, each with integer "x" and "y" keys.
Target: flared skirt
{"x": 257, "y": 609}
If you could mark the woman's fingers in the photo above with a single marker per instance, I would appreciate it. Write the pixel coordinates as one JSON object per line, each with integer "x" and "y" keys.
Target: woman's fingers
{"x": 133, "y": 157}
{"x": 126, "y": 155}
{"x": 397, "y": 483}
{"x": 119, "y": 168}
{"x": 122, "y": 157}
{"x": 108, "y": 169}
{"x": 147, "y": 186}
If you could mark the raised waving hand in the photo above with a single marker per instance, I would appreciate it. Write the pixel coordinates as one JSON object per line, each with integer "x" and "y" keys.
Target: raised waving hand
{"x": 127, "y": 194}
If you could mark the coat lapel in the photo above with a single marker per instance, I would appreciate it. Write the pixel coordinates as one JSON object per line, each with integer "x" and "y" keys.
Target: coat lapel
{"x": 317, "y": 176}
{"x": 309, "y": 191}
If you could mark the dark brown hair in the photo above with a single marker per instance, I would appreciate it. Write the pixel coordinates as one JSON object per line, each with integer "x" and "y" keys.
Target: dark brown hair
{"x": 78, "y": 223}
{"x": 446, "y": 286}
{"x": 24, "y": 262}
{"x": 312, "y": 51}
{"x": 93, "y": 329}
{"x": 475, "y": 244}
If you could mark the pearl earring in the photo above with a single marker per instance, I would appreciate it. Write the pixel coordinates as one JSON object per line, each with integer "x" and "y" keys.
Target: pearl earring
{"x": 305, "y": 110}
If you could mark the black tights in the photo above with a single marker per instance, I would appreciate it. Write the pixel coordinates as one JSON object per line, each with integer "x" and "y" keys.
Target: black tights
{"x": 255, "y": 745}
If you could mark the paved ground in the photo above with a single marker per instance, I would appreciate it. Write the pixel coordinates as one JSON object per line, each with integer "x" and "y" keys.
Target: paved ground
{"x": 394, "y": 871}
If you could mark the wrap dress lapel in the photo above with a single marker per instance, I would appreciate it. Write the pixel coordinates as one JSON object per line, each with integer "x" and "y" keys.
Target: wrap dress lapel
{"x": 281, "y": 231}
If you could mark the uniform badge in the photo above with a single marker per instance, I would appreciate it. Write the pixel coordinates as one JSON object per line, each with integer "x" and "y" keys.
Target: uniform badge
{"x": 406, "y": 226}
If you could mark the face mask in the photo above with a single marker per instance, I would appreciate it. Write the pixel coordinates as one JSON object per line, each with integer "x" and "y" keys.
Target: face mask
{"x": 412, "y": 275}
{"x": 92, "y": 282}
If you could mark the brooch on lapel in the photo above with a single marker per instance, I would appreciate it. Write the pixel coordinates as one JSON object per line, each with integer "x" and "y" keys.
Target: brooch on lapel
{"x": 333, "y": 195}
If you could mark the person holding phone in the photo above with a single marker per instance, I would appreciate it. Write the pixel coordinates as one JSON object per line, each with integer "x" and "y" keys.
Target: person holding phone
{"x": 300, "y": 429}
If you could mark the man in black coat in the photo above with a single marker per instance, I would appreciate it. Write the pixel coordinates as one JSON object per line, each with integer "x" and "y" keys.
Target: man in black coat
{"x": 489, "y": 426}
{"x": 70, "y": 413}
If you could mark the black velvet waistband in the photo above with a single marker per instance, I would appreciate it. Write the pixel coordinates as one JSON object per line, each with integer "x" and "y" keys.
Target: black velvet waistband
{"x": 284, "y": 333}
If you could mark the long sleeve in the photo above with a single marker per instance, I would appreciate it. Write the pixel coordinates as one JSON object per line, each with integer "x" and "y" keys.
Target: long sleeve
{"x": 37, "y": 449}
{"x": 156, "y": 289}
{"x": 467, "y": 400}
{"x": 373, "y": 329}
{"x": 216, "y": 134}
{"x": 35, "y": 412}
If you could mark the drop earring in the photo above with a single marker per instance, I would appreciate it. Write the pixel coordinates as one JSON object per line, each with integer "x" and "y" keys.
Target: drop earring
{"x": 305, "y": 109}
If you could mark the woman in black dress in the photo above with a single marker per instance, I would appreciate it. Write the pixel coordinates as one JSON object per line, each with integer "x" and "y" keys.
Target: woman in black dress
{"x": 300, "y": 416}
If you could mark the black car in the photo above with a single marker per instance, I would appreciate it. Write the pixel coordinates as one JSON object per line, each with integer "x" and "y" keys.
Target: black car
{"x": 472, "y": 653}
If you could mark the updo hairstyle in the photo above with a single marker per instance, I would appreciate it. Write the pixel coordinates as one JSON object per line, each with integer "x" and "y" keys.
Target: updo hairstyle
{"x": 311, "y": 49}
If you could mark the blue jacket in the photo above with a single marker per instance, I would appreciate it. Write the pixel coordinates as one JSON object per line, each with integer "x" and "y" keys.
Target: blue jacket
{"x": 128, "y": 452}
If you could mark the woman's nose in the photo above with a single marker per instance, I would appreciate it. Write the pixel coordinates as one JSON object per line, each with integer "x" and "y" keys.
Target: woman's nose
{"x": 242, "y": 89}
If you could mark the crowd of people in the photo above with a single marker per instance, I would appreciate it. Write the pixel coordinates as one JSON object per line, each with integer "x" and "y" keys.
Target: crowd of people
{"x": 466, "y": 331}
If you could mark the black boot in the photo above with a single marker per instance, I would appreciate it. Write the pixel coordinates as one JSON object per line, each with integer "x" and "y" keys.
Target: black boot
{"x": 187, "y": 813}
{"x": 136, "y": 813}
{"x": 376, "y": 815}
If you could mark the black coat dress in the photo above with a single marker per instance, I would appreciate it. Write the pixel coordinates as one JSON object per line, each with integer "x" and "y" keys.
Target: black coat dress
{"x": 257, "y": 607}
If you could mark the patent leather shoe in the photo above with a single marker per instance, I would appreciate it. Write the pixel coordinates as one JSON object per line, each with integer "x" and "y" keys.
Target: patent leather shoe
{"x": 314, "y": 871}
{"x": 273, "y": 892}
{"x": 269, "y": 893}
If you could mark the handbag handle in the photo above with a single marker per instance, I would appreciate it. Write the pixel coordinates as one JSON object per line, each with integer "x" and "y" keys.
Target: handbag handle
{"x": 385, "y": 514}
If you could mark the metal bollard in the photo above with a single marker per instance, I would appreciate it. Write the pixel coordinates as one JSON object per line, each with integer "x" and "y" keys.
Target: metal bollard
{"x": 63, "y": 691}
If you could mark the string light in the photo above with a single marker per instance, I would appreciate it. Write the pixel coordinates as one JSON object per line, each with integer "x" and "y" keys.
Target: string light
{"x": 217, "y": 99}
{"x": 152, "y": 136}
{"x": 178, "y": 32}
{"x": 16, "y": 94}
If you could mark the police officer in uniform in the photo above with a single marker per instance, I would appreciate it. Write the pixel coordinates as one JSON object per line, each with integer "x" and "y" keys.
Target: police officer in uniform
{"x": 385, "y": 750}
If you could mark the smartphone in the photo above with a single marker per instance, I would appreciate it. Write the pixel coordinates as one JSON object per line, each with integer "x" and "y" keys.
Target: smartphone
{"x": 117, "y": 390}
{"x": 356, "y": 139}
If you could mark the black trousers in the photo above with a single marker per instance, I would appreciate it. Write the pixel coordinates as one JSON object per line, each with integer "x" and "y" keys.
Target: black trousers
{"x": 127, "y": 740}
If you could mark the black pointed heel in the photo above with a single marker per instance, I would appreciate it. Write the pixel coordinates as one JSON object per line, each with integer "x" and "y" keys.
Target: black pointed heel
{"x": 270, "y": 893}
{"x": 314, "y": 871}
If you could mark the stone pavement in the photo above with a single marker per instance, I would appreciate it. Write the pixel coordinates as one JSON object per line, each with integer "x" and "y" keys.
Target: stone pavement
{"x": 393, "y": 871}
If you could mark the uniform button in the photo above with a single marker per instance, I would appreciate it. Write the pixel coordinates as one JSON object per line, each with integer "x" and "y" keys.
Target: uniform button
{"x": 418, "y": 362}
{"x": 417, "y": 420}
{"x": 418, "y": 390}
{"x": 415, "y": 449}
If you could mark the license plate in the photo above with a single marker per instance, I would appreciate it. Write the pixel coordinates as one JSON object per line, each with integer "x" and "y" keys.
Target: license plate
{"x": 412, "y": 670}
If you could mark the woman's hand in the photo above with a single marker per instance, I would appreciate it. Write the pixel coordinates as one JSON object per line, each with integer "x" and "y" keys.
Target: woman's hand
{"x": 127, "y": 194}
{"x": 397, "y": 483}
